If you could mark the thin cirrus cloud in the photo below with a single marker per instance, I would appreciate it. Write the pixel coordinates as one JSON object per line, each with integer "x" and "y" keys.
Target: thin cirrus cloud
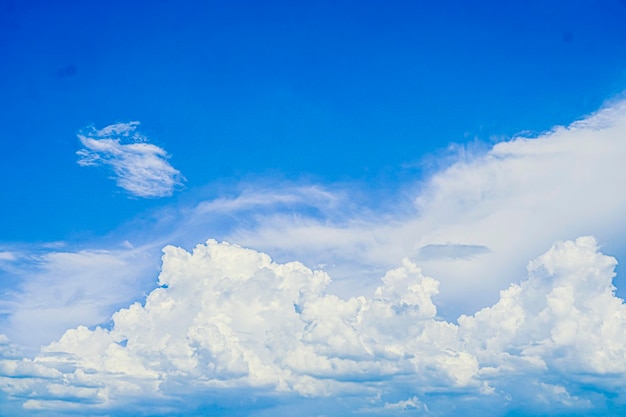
{"x": 228, "y": 322}
{"x": 138, "y": 167}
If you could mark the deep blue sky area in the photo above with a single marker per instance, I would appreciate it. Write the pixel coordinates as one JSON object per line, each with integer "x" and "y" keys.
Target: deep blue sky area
{"x": 335, "y": 91}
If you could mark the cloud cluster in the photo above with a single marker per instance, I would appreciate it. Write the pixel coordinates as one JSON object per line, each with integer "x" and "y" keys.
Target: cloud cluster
{"x": 227, "y": 320}
{"x": 139, "y": 167}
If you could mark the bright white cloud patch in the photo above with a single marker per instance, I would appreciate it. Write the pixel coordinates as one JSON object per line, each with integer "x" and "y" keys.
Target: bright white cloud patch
{"x": 228, "y": 322}
{"x": 139, "y": 167}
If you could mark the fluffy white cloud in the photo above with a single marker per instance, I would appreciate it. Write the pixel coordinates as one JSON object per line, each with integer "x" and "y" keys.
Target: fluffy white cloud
{"x": 567, "y": 306}
{"x": 227, "y": 320}
{"x": 139, "y": 167}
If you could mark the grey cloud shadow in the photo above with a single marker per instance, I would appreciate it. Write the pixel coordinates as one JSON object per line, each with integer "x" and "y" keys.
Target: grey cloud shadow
{"x": 450, "y": 251}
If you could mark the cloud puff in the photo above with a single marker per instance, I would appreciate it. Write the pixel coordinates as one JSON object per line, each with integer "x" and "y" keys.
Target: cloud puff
{"x": 139, "y": 167}
{"x": 228, "y": 322}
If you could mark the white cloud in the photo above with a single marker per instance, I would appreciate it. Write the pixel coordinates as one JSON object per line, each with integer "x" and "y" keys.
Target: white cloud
{"x": 268, "y": 196}
{"x": 58, "y": 290}
{"x": 564, "y": 318}
{"x": 411, "y": 403}
{"x": 139, "y": 167}
{"x": 229, "y": 320}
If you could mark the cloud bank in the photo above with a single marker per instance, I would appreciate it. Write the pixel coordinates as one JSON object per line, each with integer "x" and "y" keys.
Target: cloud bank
{"x": 138, "y": 167}
{"x": 228, "y": 327}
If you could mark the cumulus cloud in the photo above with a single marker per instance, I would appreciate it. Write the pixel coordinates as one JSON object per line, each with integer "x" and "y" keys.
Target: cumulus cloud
{"x": 227, "y": 320}
{"x": 138, "y": 166}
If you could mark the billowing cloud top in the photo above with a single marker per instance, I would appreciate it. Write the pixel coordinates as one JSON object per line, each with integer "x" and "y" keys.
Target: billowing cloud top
{"x": 139, "y": 167}
{"x": 227, "y": 328}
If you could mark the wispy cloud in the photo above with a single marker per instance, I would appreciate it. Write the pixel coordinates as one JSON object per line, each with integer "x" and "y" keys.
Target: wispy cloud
{"x": 139, "y": 167}
{"x": 53, "y": 290}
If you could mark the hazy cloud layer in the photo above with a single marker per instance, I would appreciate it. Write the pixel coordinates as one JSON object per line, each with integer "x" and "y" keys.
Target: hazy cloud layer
{"x": 511, "y": 201}
{"x": 138, "y": 166}
{"x": 227, "y": 321}
{"x": 56, "y": 290}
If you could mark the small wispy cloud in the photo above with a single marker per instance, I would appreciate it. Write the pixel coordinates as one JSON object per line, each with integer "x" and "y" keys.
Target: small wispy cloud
{"x": 139, "y": 167}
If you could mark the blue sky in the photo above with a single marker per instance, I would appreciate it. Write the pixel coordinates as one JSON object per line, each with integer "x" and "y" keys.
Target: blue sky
{"x": 451, "y": 142}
